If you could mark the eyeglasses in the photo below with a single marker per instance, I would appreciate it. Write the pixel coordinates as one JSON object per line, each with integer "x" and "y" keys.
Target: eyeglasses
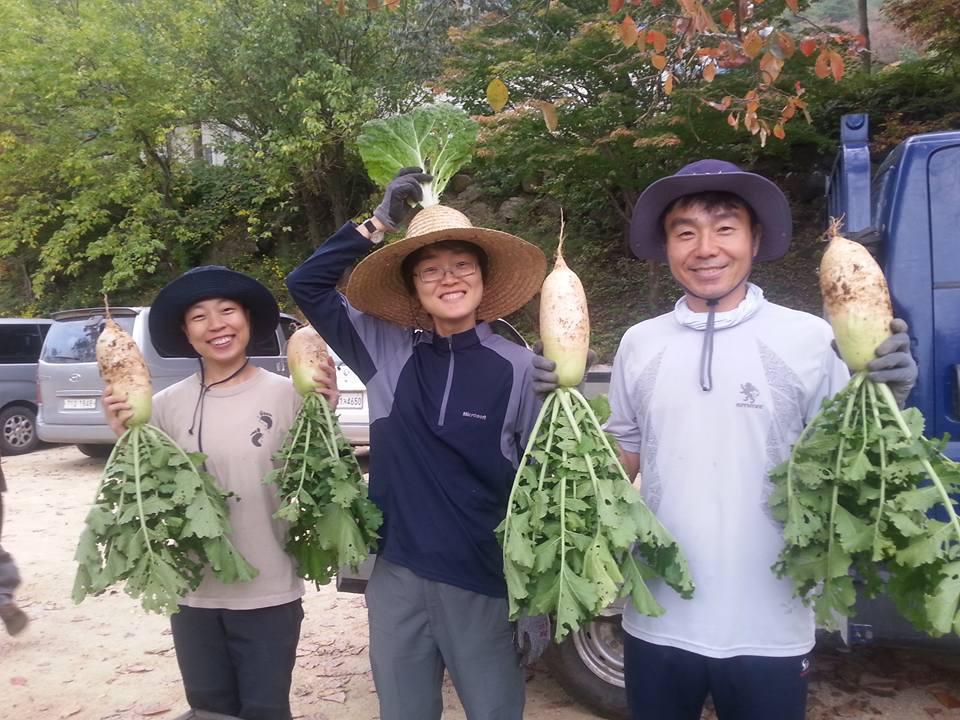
{"x": 460, "y": 269}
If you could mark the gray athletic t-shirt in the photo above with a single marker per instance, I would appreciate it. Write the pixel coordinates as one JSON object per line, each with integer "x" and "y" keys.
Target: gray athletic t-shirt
{"x": 243, "y": 426}
{"x": 705, "y": 459}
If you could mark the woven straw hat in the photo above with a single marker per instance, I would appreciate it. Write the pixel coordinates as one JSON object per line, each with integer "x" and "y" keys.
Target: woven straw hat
{"x": 514, "y": 274}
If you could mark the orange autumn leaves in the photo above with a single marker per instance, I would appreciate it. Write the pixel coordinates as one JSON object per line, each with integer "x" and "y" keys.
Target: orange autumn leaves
{"x": 737, "y": 39}
{"x": 697, "y": 41}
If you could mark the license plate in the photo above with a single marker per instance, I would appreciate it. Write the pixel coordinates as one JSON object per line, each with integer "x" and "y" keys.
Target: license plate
{"x": 351, "y": 400}
{"x": 80, "y": 404}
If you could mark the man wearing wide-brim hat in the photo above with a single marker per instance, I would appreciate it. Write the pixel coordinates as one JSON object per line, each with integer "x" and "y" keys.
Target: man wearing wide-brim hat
{"x": 451, "y": 409}
{"x": 705, "y": 401}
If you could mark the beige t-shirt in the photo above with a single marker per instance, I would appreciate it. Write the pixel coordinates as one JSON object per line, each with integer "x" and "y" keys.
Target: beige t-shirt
{"x": 243, "y": 426}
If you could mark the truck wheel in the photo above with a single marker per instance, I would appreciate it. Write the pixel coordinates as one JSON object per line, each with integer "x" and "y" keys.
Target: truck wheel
{"x": 95, "y": 450}
{"x": 589, "y": 665}
{"x": 18, "y": 430}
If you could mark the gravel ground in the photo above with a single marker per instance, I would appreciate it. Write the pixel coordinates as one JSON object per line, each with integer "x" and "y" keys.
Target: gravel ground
{"x": 108, "y": 659}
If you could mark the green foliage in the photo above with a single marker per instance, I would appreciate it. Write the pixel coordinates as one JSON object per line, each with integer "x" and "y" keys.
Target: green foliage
{"x": 439, "y": 138}
{"x": 577, "y": 534}
{"x": 936, "y": 23}
{"x": 84, "y": 175}
{"x": 158, "y": 520}
{"x": 915, "y": 97}
{"x": 332, "y": 522}
{"x": 858, "y": 490}
{"x": 111, "y": 110}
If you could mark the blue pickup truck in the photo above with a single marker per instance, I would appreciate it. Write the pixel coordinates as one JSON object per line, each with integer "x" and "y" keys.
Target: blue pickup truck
{"x": 908, "y": 214}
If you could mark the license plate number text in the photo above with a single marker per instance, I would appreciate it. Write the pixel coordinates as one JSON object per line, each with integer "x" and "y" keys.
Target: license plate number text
{"x": 351, "y": 400}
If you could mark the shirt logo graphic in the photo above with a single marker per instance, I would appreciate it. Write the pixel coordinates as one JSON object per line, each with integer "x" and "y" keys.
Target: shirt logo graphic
{"x": 750, "y": 395}
{"x": 256, "y": 436}
{"x": 475, "y": 416}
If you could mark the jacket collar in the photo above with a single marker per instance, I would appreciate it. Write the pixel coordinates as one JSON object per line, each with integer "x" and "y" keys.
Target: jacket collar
{"x": 459, "y": 341}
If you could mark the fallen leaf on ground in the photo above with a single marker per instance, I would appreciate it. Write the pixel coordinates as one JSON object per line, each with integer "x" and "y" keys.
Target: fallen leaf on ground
{"x": 881, "y": 689}
{"x": 948, "y": 700}
{"x": 151, "y": 710}
{"x": 159, "y": 651}
{"x": 136, "y": 668}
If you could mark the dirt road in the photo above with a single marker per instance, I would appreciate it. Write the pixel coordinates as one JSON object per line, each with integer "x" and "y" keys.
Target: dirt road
{"x": 107, "y": 659}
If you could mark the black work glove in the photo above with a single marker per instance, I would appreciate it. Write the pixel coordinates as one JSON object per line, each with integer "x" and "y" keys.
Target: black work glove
{"x": 532, "y": 637}
{"x": 894, "y": 365}
{"x": 545, "y": 380}
{"x": 401, "y": 194}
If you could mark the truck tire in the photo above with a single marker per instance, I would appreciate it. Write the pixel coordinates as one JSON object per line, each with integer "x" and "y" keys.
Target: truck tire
{"x": 95, "y": 450}
{"x": 18, "y": 430}
{"x": 589, "y": 665}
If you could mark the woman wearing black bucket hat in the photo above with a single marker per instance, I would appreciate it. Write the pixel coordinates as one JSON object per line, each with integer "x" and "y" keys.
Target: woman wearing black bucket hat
{"x": 706, "y": 400}
{"x": 235, "y": 643}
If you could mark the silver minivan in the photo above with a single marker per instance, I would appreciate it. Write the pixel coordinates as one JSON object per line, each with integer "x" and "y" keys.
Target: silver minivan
{"x": 20, "y": 343}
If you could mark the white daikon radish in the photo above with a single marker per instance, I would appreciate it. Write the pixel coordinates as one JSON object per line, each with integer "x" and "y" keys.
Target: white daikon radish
{"x": 856, "y": 299}
{"x": 564, "y": 321}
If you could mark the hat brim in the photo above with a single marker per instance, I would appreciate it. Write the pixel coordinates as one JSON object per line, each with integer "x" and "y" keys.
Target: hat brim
{"x": 647, "y": 239}
{"x": 176, "y": 297}
{"x": 515, "y": 273}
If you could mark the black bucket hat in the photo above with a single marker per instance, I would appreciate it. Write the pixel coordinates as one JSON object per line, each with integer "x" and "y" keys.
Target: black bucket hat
{"x": 204, "y": 283}
{"x": 647, "y": 239}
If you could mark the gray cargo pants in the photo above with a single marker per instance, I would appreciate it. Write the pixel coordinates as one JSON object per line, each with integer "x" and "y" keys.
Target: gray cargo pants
{"x": 419, "y": 627}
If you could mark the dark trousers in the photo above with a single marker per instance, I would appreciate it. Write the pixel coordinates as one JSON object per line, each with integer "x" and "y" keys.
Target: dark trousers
{"x": 238, "y": 662}
{"x": 9, "y": 577}
{"x": 666, "y": 683}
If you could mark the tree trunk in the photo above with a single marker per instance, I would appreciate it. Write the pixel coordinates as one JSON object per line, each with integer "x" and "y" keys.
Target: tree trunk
{"x": 338, "y": 202}
{"x": 27, "y": 282}
{"x": 865, "y": 54}
{"x": 313, "y": 212}
{"x": 653, "y": 285}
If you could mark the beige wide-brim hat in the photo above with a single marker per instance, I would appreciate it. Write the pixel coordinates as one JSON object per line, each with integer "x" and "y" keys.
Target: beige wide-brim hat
{"x": 515, "y": 270}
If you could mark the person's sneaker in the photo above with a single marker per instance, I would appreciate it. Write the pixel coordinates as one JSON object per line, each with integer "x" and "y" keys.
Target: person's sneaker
{"x": 13, "y": 617}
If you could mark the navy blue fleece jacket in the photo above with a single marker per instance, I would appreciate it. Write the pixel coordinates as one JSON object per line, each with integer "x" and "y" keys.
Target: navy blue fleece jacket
{"x": 449, "y": 419}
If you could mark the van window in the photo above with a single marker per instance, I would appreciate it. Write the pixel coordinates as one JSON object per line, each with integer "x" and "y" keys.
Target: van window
{"x": 289, "y": 326}
{"x": 944, "y": 183}
{"x": 71, "y": 341}
{"x": 20, "y": 343}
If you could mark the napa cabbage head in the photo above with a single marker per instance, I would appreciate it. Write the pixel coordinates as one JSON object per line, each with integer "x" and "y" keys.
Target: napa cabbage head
{"x": 440, "y": 138}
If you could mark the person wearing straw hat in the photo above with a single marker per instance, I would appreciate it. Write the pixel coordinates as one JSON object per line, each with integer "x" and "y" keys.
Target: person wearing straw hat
{"x": 451, "y": 409}
{"x": 705, "y": 401}
{"x": 235, "y": 643}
